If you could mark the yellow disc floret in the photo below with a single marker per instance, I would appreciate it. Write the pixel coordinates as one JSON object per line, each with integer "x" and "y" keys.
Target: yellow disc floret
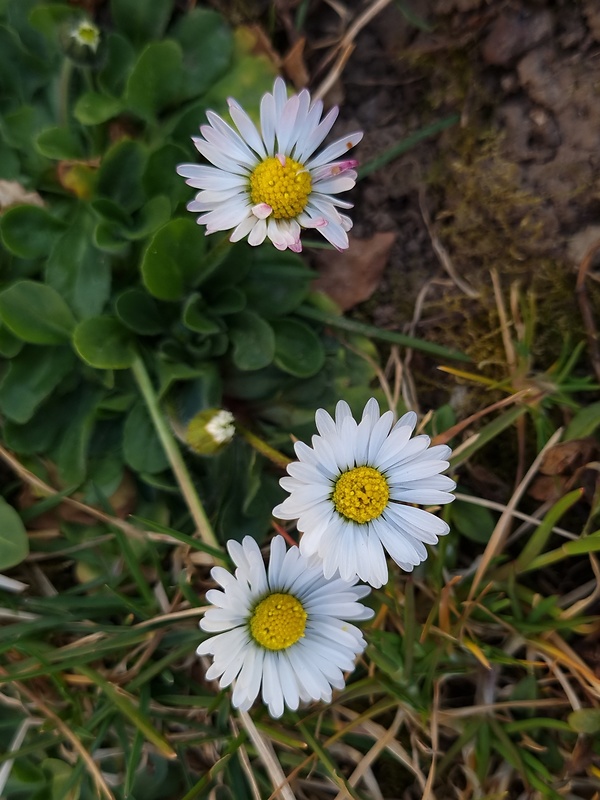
{"x": 278, "y": 621}
{"x": 285, "y": 187}
{"x": 361, "y": 494}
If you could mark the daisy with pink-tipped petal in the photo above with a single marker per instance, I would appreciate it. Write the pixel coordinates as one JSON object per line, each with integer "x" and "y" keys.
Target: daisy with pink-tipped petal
{"x": 352, "y": 493}
{"x": 281, "y": 631}
{"x": 270, "y": 184}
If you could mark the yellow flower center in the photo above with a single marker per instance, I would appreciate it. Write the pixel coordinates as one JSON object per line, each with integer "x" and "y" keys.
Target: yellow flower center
{"x": 361, "y": 494}
{"x": 278, "y": 621}
{"x": 284, "y": 188}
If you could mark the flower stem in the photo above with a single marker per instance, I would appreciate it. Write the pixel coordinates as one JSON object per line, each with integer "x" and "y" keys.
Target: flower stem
{"x": 262, "y": 447}
{"x": 174, "y": 456}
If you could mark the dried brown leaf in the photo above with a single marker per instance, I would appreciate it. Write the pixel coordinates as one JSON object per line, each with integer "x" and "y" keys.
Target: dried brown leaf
{"x": 350, "y": 277}
{"x": 12, "y": 194}
{"x": 294, "y": 66}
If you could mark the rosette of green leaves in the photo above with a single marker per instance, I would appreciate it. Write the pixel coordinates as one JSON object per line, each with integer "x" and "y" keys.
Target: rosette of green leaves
{"x": 111, "y": 267}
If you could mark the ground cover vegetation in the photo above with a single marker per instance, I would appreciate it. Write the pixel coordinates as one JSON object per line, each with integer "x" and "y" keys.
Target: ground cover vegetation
{"x": 153, "y": 383}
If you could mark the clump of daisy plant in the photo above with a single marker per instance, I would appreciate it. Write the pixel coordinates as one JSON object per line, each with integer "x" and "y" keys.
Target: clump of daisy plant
{"x": 352, "y": 493}
{"x": 269, "y": 183}
{"x": 281, "y": 631}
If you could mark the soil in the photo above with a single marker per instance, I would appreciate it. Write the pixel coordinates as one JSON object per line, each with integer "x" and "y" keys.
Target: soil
{"x": 510, "y": 186}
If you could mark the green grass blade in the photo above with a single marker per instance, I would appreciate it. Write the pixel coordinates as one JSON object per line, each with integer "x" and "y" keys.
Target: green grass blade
{"x": 361, "y": 328}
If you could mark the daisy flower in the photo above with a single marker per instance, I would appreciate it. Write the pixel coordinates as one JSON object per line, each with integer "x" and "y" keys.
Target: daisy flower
{"x": 352, "y": 493}
{"x": 283, "y": 628}
{"x": 270, "y": 184}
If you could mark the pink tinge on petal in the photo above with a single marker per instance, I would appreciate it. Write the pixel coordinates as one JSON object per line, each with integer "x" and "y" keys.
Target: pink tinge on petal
{"x": 281, "y": 158}
{"x": 312, "y": 222}
{"x": 262, "y": 210}
{"x": 342, "y": 166}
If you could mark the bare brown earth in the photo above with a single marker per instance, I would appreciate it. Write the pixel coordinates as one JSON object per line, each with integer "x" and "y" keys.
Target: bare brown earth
{"x": 512, "y": 186}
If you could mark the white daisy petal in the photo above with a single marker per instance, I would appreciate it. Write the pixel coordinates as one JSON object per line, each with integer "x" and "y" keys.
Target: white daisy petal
{"x": 246, "y": 127}
{"x": 350, "y": 493}
{"x": 290, "y": 637}
{"x": 258, "y": 233}
{"x": 316, "y": 136}
{"x": 244, "y": 228}
{"x": 336, "y": 149}
{"x": 267, "y": 170}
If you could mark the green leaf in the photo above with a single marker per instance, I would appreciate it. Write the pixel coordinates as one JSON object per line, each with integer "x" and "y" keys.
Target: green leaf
{"x": 195, "y": 317}
{"x": 474, "y": 522}
{"x": 298, "y": 349}
{"x": 59, "y": 143}
{"x": 108, "y": 238}
{"x": 585, "y": 720}
{"x": 276, "y": 283}
{"x": 39, "y": 433}
{"x": 20, "y": 127}
{"x": 252, "y": 339}
{"x": 78, "y": 271}
{"x": 120, "y": 57}
{"x": 173, "y": 259}
{"x": 11, "y": 166}
{"x": 120, "y": 174}
{"x": 36, "y": 313}
{"x": 228, "y": 300}
{"x": 142, "y": 449}
{"x": 93, "y": 108}
{"x": 152, "y": 216}
{"x": 248, "y": 77}
{"x": 29, "y": 231}
{"x": 139, "y": 312}
{"x": 141, "y": 20}
{"x": 155, "y": 81}
{"x": 207, "y": 46}
{"x": 14, "y": 544}
{"x": 60, "y": 783}
{"x": 22, "y": 73}
{"x": 161, "y": 175}
{"x": 104, "y": 343}
{"x": 584, "y": 423}
{"x": 170, "y": 373}
{"x": 30, "y": 378}
{"x": 71, "y": 451}
{"x": 9, "y": 344}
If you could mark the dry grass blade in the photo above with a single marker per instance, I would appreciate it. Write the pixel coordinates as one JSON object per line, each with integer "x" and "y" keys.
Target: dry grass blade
{"x": 267, "y": 755}
{"x": 435, "y": 716}
{"x": 15, "y": 744}
{"x": 444, "y": 438}
{"x": 346, "y": 46}
{"x": 509, "y": 348}
{"x": 502, "y": 528}
{"x": 68, "y": 734}
{"x": 377, "y": 732}
{"x": 579, "y": 606}
{"x": 374, "y": 752}
{"x": 493, "y": 506}
{"x": 246, "y": 765}
{"x": 441, "y": 252}
{"x": 585, "y": 307}
{"x": 49, "y": 491}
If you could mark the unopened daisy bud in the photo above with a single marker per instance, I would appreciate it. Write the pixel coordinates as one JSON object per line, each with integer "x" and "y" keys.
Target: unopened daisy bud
{"x": 81, "y": 40}
{"x": 209, "y": 431}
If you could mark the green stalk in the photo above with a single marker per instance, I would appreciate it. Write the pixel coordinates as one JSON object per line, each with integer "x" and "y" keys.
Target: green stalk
{"x": 262, "y": 447}
{"x": 174, "y": 456}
